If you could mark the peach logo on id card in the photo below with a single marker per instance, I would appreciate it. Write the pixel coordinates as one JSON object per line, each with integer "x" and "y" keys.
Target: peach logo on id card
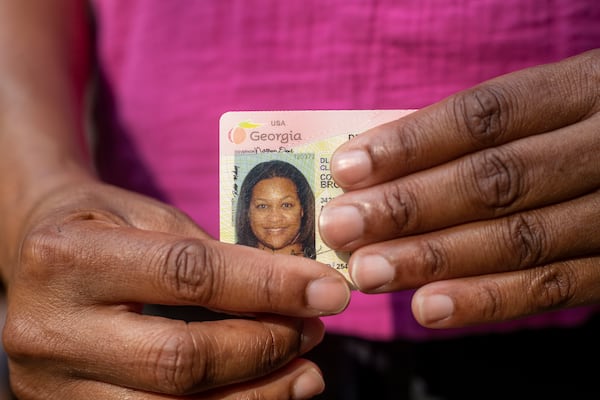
{"x": 275, "y": 176}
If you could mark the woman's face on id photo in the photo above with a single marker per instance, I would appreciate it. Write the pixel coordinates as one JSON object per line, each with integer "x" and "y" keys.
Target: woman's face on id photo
{"x": 275, "y": 212}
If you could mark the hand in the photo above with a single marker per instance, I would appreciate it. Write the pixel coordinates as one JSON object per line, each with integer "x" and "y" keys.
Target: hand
{"x": 488, "y": 201}
{"x": 91, "y": 255}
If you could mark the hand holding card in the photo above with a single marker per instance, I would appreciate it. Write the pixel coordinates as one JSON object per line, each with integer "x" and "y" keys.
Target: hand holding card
{"x": 275, "y": 176}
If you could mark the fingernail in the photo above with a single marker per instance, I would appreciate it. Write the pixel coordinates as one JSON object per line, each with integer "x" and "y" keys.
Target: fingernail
{"x": 350, "y": 167}
{"x": 370, "y": 272}
{"x": 308, "y": 385}
{"x": 434, "y": 308}
{"x": 340, "y": 225}
{"x": 312, "y": 334}
{"x": 328, "y": 295}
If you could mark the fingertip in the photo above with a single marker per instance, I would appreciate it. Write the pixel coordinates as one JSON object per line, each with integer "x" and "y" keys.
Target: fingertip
{"x": 371, "y": 272}
{"x": 432, "y": 309}
{"x": 328, "y": 295}
{"x": 350, "y": 167}
{"x": 340, "y": 225}
{"x": 309, "y": 384}
{"x": 313, "y": 331}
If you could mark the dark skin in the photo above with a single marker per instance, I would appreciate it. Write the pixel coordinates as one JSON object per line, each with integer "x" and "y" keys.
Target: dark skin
{"x": 78, "y": 257}
{"x": 487, "y": 201}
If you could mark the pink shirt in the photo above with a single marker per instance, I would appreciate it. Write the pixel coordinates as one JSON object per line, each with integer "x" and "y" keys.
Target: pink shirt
{"x": 171, "y": 68}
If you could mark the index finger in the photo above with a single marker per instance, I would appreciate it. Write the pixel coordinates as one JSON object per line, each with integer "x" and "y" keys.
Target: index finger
{"x": 119, "y": 264}
{"x": 524, "y": 103}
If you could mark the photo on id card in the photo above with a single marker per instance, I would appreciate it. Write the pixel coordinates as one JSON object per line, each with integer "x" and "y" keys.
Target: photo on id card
{"x": 275, "y": 177}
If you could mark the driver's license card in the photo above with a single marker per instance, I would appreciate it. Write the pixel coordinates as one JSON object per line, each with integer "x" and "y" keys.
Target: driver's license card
{"x": 292, "y": 145}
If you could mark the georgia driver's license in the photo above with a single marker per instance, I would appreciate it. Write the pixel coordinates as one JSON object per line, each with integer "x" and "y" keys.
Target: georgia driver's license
{"x": 306, "y": 139}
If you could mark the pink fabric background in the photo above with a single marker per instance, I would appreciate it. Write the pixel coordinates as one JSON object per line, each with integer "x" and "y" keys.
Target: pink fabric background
{"x": 172, "y": 68}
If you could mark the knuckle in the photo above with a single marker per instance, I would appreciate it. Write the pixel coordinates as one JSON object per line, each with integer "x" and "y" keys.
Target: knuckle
{"x": 21, "y": 338}
{"x": 491, "y": 300}
{"x": 190, "y": 271}
{"x": 496, "y": 176}
{"x": 527, "y": 239}
{"x": 434, "y": 260}
{"x": 27, "y": 336}
{"x": 552, "y": 286}
{"x": 482, "y": 113}
{"x": 405, "y": 145}
{"x": 400, "y": 207}
{"x": 176, "y": 366}
{"x": 271, "y": 347}
{"x": 274, "y": 355}
{"x": 41, "y": 253}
